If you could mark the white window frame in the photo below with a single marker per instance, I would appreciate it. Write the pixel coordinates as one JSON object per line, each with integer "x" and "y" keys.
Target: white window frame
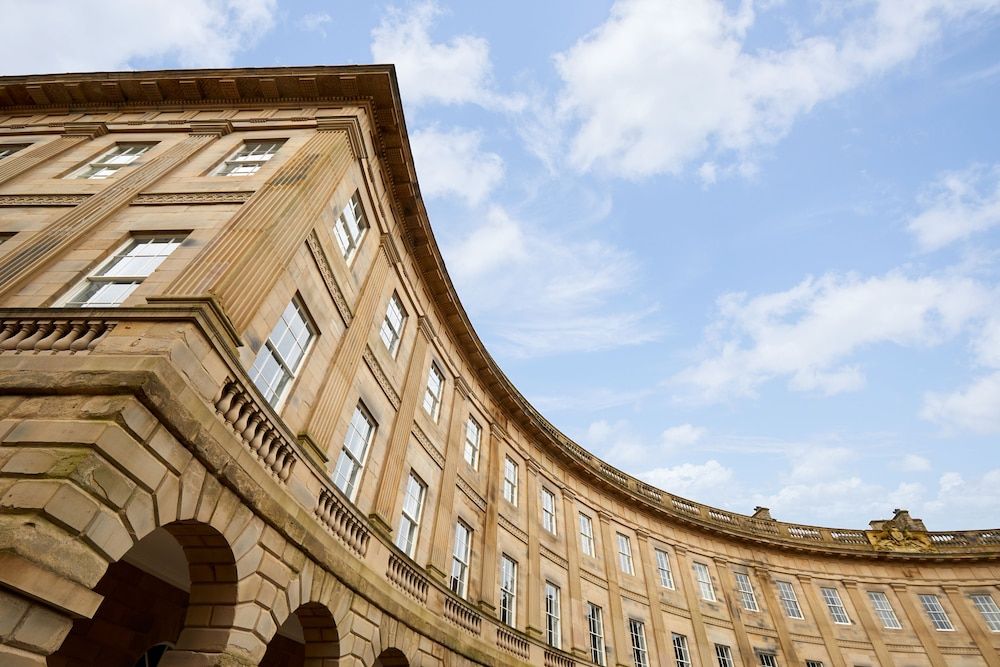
{"x": 6, "y": 150}
{"x": 637, "y": 633}
{"x": 411, "y": 514}
{"x": 473, "y": 442}
{"x": 814, "y": 663}
{"x": 625, "y": 563}
{"x": 682, "y": 655}
{"x": 107, "y": 164}
{"x": 936, "y": 612}
{"x": 246, "y": 160}
{"x": 663, "y": 568}
{"x": 587, "y": 535}
{"x": 391, "y": 330}
{"x": 548, "y": 511}
{"x": 351, "y": 463}
{"x": 838, "y": 612}
{"x": 989, "y": 610}
{"x": 274, "y": 394}
{"x": 350, "y": 227}
{"x": 553, "y": 623}
{"x": 508, "y": 590}
{"x": 703, "y": 576}
{"x": 432, "y": 396}
{"x": 789, "y": 601}
{"x": 460, "y": 556}
{"x": 103, "y": 274}
{"x": 724, "y": 655}
{"x": 884, "y": 611}
{"x": 595, "y": 631}
{"x": 510, "y": 480}
{"x": 767, "y": 659}
{"x": 747, "y": 595}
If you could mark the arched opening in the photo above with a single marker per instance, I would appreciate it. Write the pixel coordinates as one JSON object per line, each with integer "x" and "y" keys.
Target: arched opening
{"x": 391, "y": 657}
{"x": 307, "y": 638}
{"x": 171, "y": 580}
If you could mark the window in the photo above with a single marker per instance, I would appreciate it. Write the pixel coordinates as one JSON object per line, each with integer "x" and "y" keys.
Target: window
{"x": 282, "y": 353}
{"x": 413, "y": 506}
{"x": 352, "y": 457}
{"x": 746, "y": 592}
{"x": 117, "y": 277}
{"x": 767, "y": 659}
{"x": 788, "y": 600}
{"x": 432, "y": 395}
{"x": 595, "y": 628}
{"x": 989, "y": 609}
{"x": 473, "y": 436}
{"x": 109, "y": 162}
{"x": 681, "y": 654}
{"x": 508, "y": 590}
{"x": 249, "y": 158}
{"x": 814, "y": 663}
{"x": 510, "y": 481}
{"x": 587, "y": 535}
{"x": 884, "y": 611}
{"x": 350, "y": 226}
{"x": 833, "y": 602}
{"x": 625, "y": 554}
{"x": 392, "y": 325}
{"x": 460, "y": 559}
{"x": 724, "y": 655}
{"x": 704, "y": 578}
{"x": 939, "y": 617}
{"x": 10, "y": 149}
{"x": 553, "y": 633}
{"x": 663, "y": 568}
{"x": 548, "y": 511}
{"x": 637, "y": 632}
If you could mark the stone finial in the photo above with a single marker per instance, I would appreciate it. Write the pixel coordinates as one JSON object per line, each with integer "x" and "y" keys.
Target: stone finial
{"x": 762, "y": 513}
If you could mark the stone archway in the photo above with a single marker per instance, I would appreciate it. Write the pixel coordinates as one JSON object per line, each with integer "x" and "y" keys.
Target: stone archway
{"x": 307, "y": 638}
{"x": 391, "y": 657}
{"x": 176, "y": 587}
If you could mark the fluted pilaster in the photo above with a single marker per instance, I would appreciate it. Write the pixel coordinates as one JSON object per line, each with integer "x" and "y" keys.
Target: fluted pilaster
{"x": 437, "y": 562}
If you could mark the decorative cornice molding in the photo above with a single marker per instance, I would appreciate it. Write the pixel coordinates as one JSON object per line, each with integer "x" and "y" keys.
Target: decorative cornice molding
{"x": 215, "y": 128}
{"x": 90, "y": 130}
{"x": 471, "y": 493}
{"x": 587, "y": 575}
{"x": 428, "y": 446}
{"x": 462, "y": 387}
{"x": 329, "y": 280}
{"x": 380, "y": 376}
{"x": 42, "y": 200}
{"x": 512, "y": 528}
{"x": 554, "y": 557}
{"x": 425, "y": 327}
{"x": 166, "y": 198}
{"x": 349, "y": 124}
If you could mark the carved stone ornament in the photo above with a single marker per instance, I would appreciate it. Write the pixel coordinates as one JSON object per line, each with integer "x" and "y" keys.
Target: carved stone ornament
{"x": 901, "y": 533}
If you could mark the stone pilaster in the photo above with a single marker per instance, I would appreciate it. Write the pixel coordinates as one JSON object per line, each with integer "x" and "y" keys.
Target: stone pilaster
{"x": 577, "y": 632}
{"x": 821, "y": 616}
{"x": 705, "y": 655}
{"x": 766, "y": 586}
{"x": 917, "y": 621}
{"x": 391, "y": 472}
{"x": 621, "y": 646}
{"x": 648, "y": 564}
{"x": 343, "y": 368}
{"x": 437, "y": 561}
{"x": 862, "y": 607}
{"x": 29, "y": 158}
{"x": 488, "y": 571}
{"x": 66, "y": 230}
{"x": 961, "y": 605}
{"x": 241, "y": 264}
{"x": 532, "y": 525}
{"x": 734, "y": 602}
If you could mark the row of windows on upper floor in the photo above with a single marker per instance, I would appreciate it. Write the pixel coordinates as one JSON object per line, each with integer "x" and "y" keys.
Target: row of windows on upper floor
{"x": 244, "y": 161}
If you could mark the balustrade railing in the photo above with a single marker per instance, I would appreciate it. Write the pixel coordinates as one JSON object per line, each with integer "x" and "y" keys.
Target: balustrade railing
{"x": 513, "y": 643}
{"x": 407, "y": 579}
{"x": 462, "y": 616}
{"x": 553, "y": 659}
{"x": 343, "y": 522}
{"x": 52, "y": 335}
{"x": 238, "y": 408}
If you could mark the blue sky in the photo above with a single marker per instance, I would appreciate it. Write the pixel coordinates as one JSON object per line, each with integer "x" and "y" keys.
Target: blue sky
{"x": 747, "y": 251}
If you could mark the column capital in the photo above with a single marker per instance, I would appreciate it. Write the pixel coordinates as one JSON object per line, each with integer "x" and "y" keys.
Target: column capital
{"x": 532, "y": 465}
{"x": 568, "y": 493}
{"x": 849, "y": 584}
{"x": 388, "y": 246}
{"x": 642, "y": 535}
{"x": 425, "y": 327}
{"x": 898, "y": 586}
{"x": 462, "y": 387}
{"x": 84, "y": 129}
{"x": 951, "y": 588}
{"x": 803, "y": 578}
{"x": 604, "y": 516}
{"x": 217, "y": 128}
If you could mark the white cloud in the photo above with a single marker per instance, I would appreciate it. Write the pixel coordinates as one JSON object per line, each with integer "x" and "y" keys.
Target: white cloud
{"x": 683, "y": 435}
{"x": 453, "y": 163}
{"x": 839, "y": 501}
{"x": 975, "y": 408}
{"x": 809, "y": 333}
{"x": 661, "y": 83}
{"x": 690, "y": 479}
{"x": 958, "y": 205}
{"x": 458, "y": 71}
{"x": 543, "y": 294}
{"x": 118, "y": 34}
{"x": 315, "y": 22}
{"x": 914, "y": 463}
{"x": 977, "y": 500}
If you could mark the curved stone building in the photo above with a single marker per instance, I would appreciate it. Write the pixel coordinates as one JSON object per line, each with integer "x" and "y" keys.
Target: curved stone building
{"x": 245, "y": 420}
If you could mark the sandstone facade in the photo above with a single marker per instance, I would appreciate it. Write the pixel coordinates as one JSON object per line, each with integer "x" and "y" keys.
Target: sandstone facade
{"x": 159, "y": 501}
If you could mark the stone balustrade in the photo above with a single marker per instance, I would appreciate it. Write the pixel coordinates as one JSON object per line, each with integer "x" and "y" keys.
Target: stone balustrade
{"x": 343, "y": 522}
{"x": 406, "y": 578}
{"x": 462, "y": 616}
{"x": 52, "y": 335}
{"x": 513, "y": 643}
{"x": 240, "y": 409}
